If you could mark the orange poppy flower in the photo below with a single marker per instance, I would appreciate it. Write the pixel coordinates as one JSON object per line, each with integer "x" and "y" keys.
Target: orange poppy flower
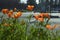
{"x": 11, "y": 11}
{"x": 9, "y": 14}
{"x": 30, "y": 7}
{"x": 41, "y": 15}
{"x": 5, "y": 11}
{"x": 51, "y": 27}
{"x": 15, "y": 16}
{"x": 46, "y": 15}
{"x": 36, "y": 17}
{"x": 48, "y": 26}
{"x": 19, "y": 13}
{"x": 41, "y": 19}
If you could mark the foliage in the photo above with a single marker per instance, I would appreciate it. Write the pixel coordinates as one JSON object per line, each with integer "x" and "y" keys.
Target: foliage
{"x": 12, "y": 29}
{"x": 31, "y": 2}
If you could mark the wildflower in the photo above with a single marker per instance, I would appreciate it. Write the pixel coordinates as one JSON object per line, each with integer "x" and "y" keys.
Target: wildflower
{"x": 47, "y": 15}
{"x": 51, "y": 27}
{"x": 19, "y": 14}
{"x": 48, "y": 26}
{"x": 4, "y": 11}
{"x": 41, "y": 15}
{"x": 36, "y": 17}
{"x": 15, "y": 16}
{"x": 30, "y": 7}
{"x": 11, "y": 11}
{"x": 41, "y": 19}
{"x": 9, "y": 14}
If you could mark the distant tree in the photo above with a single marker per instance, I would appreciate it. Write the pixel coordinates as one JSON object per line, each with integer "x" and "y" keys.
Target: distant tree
{"x": 59, "y": 2}
{"x": 31, "y": 2}
{"x": 19, "y": 1}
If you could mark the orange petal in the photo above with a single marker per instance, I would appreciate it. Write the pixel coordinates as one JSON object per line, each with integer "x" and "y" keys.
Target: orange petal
{"x": 48, "y": 26}
{"x": 9, "y": 14}
{"x": 5, "y": 11}
{"x": 36, "y": 17}
{"x": 30, "y": 7}
{"x": 15, "y": 16}
{"x": 46, "y": 15}
{"x": 19, "y": 14}
{"x": 41, "y": 15}
{"x": 41, "y": 19}
{"x": 11, "y": 11}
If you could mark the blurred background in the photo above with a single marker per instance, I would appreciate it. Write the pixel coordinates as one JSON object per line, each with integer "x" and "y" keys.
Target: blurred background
{"x": 40, "y": 5}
